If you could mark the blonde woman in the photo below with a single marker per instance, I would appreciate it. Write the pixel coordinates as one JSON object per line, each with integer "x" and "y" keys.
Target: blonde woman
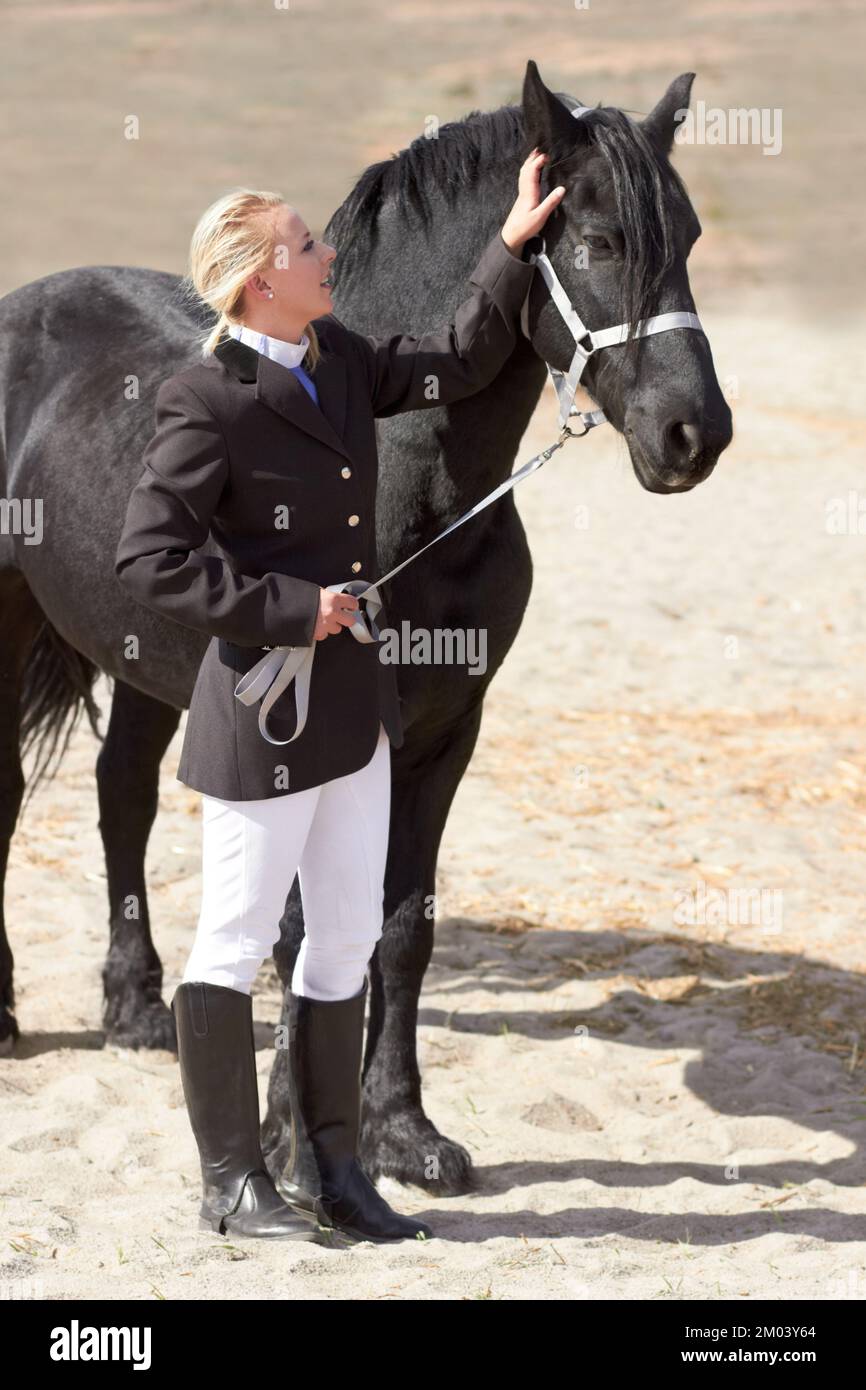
{"x": 266, "y": 450}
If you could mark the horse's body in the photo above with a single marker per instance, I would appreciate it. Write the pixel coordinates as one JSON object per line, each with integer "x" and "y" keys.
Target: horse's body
{"x": 70, "y": 343}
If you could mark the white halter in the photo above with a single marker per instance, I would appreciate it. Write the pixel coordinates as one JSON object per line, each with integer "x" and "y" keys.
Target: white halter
{"x": 587, "y": 340}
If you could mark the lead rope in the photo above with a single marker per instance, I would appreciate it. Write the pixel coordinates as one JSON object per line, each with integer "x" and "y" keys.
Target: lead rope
{"x": 274, "y": 673}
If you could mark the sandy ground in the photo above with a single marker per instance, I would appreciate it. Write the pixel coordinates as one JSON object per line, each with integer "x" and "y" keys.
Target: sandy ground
{"x": 685, "y": 1110}
{"x": 651, "y": 885}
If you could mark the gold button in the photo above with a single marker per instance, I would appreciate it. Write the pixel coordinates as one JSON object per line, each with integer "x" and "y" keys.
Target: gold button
{"x": 353, "y": 520}
{"x": 346, "y": 472}
{"x": 356, "y": 566}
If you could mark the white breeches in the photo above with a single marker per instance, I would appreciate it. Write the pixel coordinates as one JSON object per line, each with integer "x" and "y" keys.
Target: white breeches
{"x": 335, "y": 837}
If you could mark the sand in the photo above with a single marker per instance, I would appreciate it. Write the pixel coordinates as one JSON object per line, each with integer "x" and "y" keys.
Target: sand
{"x": 644, "y": 1013}
{"x": 650, "y": 920}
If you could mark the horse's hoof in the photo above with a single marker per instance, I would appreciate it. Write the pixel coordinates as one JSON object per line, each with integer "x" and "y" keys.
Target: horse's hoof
{"x": 406, "y": 1146}
{"x": 151, "y": 1027}
{"x": 9, "y": 1032}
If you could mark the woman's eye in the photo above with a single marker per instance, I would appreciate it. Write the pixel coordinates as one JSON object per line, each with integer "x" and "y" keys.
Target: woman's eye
{"x": 309, "y": 244}
{"x": 597, "y": 243}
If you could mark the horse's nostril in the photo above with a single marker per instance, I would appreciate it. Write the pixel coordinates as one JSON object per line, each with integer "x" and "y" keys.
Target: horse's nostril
{"x": 687, "y": 439}
{"x": 692, "y": 435}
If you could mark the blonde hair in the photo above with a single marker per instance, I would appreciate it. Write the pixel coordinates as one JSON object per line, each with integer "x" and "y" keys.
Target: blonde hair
{"x": 235, "y": 238}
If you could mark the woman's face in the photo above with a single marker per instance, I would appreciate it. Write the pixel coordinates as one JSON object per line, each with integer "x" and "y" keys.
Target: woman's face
{"x": 299, "y": 266}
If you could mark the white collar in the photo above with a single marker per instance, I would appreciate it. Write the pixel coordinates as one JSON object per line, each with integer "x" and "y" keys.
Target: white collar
{"x": 290, "y": 354}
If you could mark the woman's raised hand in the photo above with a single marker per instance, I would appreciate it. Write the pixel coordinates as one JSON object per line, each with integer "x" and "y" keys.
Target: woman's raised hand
{"x": 528, "y": 215}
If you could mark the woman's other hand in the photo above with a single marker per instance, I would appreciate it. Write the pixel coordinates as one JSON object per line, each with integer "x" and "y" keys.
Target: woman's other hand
{"x": 528, "y": 215}
{"x": 335, "y": 612}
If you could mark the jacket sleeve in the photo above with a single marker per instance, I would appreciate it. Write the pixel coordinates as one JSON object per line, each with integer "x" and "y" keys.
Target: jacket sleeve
{"x": 168, "y": 517}
{"x": 405, "y": 372}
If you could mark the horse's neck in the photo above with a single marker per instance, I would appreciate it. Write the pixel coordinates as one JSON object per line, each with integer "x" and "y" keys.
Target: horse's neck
{"x": 479, "y": 449}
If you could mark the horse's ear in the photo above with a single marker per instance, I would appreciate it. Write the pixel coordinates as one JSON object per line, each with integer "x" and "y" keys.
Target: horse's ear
{"x": 545, "y": 118}
{"x": 662, "y": 122}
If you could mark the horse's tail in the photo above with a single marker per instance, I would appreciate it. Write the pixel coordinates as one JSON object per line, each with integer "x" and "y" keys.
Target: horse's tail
{"x": 57, "y": 683}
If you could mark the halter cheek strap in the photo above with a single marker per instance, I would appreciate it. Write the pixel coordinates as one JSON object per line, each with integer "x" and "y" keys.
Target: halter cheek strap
{"x": 587, "y": 340}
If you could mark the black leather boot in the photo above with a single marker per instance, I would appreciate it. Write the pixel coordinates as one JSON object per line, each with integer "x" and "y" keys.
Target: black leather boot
{"x": 216, "y": 1051}
{"x": 323, "y": 1174}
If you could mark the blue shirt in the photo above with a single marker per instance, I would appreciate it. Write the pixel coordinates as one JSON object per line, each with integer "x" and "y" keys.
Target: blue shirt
{"x": 306, "y": 382}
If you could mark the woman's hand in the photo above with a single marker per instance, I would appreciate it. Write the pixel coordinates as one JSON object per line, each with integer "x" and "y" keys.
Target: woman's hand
{"x": 335, "y": 612}
{"x": 528, "y": 215}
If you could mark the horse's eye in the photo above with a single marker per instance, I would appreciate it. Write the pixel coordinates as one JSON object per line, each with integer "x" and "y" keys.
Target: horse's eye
{"x": 597, "y": 243}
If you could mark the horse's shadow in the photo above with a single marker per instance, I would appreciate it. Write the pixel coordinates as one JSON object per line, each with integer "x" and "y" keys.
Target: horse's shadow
{"x": 748, "y": 1011}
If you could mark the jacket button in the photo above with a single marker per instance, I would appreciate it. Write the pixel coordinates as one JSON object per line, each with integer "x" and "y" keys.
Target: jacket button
{"x": 353, "y": 520}
{"x": 356, "y": 565}
{"x": 346, "y": 472}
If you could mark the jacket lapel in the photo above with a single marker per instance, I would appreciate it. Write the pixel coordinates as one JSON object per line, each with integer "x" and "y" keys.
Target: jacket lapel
{"x": 280, "y": 390}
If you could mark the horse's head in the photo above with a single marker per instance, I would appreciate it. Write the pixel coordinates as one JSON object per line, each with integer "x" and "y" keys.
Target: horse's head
{"x": 619, "y": 242}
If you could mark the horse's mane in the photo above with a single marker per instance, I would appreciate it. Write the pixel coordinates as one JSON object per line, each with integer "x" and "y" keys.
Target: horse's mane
{"x": 647, "y": 189}
{"x": 452, "y": 161}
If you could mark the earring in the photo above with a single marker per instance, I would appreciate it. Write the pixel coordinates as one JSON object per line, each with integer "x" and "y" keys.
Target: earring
{"x": 271, "y": 295}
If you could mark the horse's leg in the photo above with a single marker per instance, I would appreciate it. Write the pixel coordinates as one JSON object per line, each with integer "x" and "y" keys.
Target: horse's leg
{"x": 127, "y": 772}
{"x": 21, "y": 620}
{"x": 396, "y": 1136}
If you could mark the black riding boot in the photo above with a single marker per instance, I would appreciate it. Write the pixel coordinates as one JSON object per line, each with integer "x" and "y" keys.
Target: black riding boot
{"x": 323, "y": 1173}
{"x": 216, "y": 1051}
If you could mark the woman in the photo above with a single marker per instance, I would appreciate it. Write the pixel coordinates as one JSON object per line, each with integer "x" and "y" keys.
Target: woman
{"x": 258, "y": 490}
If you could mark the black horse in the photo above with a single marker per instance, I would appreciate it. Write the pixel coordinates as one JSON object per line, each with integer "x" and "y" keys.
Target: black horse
{"x": 82, "y": 353}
